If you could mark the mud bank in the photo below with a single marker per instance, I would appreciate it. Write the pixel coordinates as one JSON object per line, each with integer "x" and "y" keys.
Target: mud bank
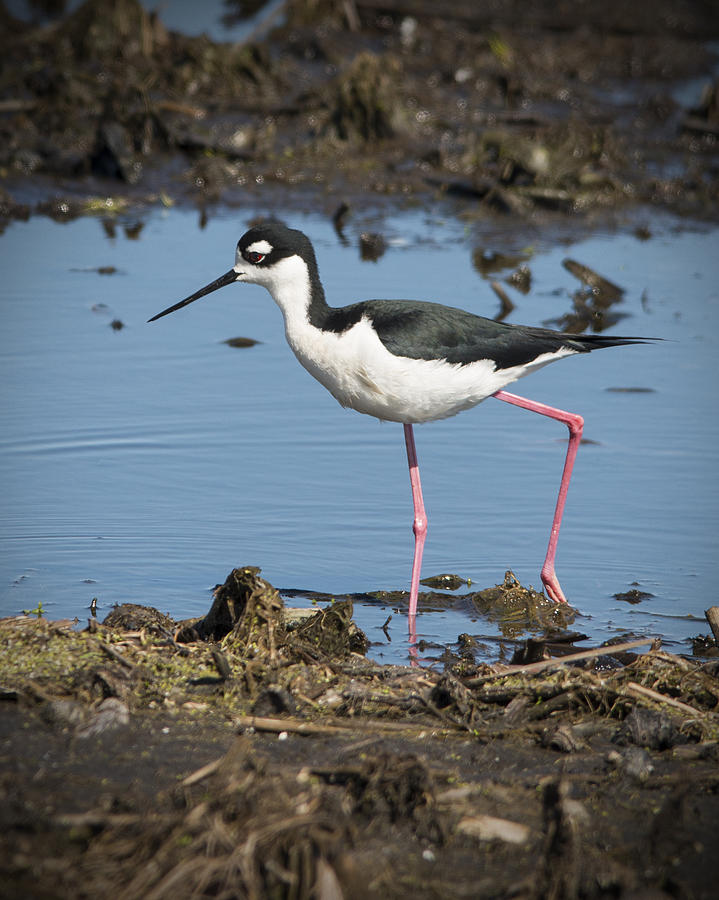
{"x": 148, "y": 758}
{"x": 528, "y": 110}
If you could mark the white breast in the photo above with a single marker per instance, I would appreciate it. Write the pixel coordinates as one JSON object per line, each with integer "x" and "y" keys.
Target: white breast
{"x": 359, "y": 371}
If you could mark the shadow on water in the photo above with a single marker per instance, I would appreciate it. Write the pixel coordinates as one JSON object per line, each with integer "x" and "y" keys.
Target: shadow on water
{"x": 140, "y": 463}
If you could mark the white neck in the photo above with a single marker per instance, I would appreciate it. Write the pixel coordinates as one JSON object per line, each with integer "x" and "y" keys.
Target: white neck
{"x": 288, "y": 282}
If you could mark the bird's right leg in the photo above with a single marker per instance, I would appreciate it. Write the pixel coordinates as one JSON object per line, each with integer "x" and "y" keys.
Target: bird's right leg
{"x": 575, "y": 425}
{"x": 419, "y": 525}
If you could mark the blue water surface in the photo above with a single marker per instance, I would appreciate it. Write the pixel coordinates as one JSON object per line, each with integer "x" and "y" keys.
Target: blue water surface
{"x": 142, "y": 464}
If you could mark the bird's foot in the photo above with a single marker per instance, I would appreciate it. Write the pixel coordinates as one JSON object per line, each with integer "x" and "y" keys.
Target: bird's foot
{"x": 552, "y": 587}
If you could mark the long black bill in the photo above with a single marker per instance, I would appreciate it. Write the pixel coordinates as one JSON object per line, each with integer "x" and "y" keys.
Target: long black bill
{"x": 227, "y": 278}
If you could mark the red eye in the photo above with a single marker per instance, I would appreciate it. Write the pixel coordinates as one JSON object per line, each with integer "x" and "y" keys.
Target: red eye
{"x": 254, "y": 257}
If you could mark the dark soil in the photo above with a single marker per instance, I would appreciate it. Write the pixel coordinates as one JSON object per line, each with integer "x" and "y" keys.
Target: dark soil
{"x": 272, "y": 759}
{"x": 509, "y": 108}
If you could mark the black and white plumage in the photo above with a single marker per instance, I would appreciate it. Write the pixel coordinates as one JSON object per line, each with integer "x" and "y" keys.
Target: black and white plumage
{"x": 404, "y": 361}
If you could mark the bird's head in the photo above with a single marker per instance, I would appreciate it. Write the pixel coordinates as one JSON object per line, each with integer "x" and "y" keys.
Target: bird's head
{"x": 280, "y": 259}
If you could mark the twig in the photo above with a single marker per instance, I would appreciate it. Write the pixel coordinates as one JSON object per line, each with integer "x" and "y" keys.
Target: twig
{"x": 202, "y": 773}
{"x": 13, "y": 105}
{"x": 261, "y": 723}
{"x": 531, "y": 668}
{"x": 351, "y": 15}
{"x": 99, "y": 819}
{"x": 196, "y": 112}
{"x": 639, "y": 690}
{"x": 114, "y": 655}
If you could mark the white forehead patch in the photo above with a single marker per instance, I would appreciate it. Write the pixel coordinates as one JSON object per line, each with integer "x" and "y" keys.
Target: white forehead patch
{"x": 260, "y": 247}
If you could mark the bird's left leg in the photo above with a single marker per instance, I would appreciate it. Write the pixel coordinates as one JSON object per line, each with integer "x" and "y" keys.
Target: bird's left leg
{"x": 575, "y": 425}
{"x": 419, "y": 526}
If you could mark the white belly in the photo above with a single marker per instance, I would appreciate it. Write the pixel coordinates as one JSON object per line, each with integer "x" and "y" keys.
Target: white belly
{"x": 358, "y": 370}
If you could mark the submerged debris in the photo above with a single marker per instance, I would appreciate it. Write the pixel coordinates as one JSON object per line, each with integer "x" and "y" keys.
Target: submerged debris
{"x": 592, "y": 304}
{"x": 372, "y": 246}
{"x": 517, "y": 609}
{"x": 241, "y": 342}
{"x": 445, "y": 582}
{"x": 633, "y": 595}
{"x": 600, "y": 286}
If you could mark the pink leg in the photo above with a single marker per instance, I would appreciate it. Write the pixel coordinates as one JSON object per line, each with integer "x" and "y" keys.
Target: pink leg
{"x": 419, "y": 525}
{"x": 575, "y": 424}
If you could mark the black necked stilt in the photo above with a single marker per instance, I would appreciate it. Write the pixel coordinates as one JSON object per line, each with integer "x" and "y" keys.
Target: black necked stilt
{"x": 405, "y": 360}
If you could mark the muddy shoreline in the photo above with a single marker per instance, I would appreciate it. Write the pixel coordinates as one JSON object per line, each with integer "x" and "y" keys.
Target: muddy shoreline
{"x": 534, "y": 112}
{"x": 148, "y": 758}
{"x": 244, "y": 756}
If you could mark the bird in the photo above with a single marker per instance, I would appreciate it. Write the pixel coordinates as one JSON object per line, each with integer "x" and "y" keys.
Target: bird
{"x": 406, "y": 361}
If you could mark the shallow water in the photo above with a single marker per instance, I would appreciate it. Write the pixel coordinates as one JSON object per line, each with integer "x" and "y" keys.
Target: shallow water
{"x": 209, "y": 17}
{"x": 142, "y": 464}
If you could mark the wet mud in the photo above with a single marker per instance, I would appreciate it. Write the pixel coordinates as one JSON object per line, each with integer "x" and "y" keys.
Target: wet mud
{"x": 527, "y": 110}
{"x": 256, "y": 753}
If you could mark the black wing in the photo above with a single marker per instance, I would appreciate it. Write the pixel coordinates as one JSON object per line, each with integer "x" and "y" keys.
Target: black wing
{"x": 432, "y": 331}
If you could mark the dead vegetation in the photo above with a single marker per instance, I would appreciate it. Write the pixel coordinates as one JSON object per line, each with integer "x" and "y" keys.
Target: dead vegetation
{"x": 505, "y": 109}
{"x": 246, "y": 755}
